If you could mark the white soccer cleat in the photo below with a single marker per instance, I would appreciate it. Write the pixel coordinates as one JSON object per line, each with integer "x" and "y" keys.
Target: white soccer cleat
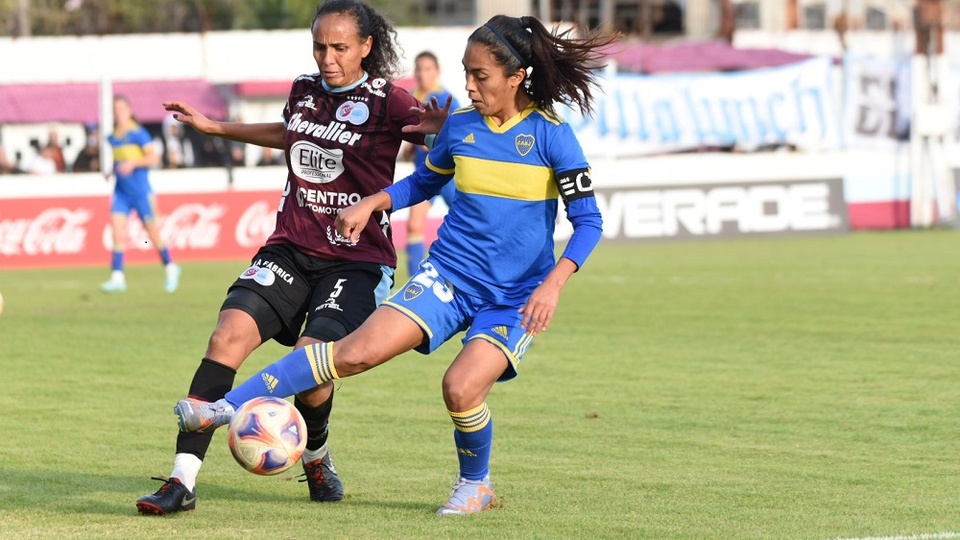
{"x": 468, "y": 497}
{"x": 172, "y": 280}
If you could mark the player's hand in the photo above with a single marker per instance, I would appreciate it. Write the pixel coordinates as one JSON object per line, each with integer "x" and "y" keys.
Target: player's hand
{"x": 351, "y": 221}
{"x": 125, "y": 168}
{"x": 186, "y": 114}
{"x": 540, "y": 307}
{"x": 431, "y": 116}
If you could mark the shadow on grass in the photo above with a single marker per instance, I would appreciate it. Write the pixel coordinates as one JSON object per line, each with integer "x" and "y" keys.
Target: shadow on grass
{"x": 82, "y": 493}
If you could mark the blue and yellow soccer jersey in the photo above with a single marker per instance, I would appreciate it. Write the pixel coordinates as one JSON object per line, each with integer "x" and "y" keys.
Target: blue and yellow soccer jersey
{"x": 496, "y": 243}
{"x": 127, "y": 146}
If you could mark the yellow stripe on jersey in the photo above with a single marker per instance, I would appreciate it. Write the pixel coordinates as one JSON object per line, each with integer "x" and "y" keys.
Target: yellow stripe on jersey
{"x": 462, "y": 110}
{"x": 127, "y": 152}
{"x": 503, "y": 179}
{"x": 550, "y": 117}
{"x": 436, "y": 169}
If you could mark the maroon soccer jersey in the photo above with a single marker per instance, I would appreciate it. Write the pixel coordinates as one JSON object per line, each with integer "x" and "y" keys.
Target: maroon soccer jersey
{"x": 341, "y": 147}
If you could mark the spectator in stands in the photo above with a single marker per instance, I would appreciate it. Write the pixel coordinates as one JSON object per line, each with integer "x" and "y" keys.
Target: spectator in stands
{"x": 43, "y": 162}
{"x": 268, "y": 157}
{"x": 7, "y": 166}
{"x": 88, "y": 160}
{"x": 55, "y": 151}
{"x": 177, "y": 150}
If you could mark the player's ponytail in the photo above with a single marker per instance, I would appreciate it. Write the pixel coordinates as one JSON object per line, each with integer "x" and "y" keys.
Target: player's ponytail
{"x": 559, "y": 67}
{"x": 384, "y": 58}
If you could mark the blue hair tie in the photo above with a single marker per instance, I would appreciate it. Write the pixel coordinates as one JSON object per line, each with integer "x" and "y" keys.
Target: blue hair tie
{"x": 523, "y": 63}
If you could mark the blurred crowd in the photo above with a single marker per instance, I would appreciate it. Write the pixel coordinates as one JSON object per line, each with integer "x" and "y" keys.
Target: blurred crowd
{"x": 180, "y": 148}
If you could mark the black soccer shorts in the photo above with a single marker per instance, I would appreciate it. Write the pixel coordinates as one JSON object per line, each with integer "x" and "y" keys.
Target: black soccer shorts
{"x": 301, "y": 288}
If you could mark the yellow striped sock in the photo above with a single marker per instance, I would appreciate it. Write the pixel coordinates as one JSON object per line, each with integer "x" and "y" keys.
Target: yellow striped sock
{"x": 473, "y": 420}
{"x": 320, "y": 356}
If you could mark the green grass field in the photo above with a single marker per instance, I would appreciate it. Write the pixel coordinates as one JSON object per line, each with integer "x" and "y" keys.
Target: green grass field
{"x": 800, "y": 388}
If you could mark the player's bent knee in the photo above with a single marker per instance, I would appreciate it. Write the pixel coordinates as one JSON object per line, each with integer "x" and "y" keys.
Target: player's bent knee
{"x": 458, "y": 395}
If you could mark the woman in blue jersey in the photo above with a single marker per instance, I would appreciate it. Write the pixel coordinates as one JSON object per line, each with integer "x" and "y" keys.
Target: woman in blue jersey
{"x": 133, "y": 155}
{"x": 492, "y": 271}
{"x": 426, "y": 71}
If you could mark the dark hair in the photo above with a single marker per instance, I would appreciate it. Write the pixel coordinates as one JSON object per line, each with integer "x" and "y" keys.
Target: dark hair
{"x": 429, "y": 56}
{"x": 562, "y": 65}
{"x": 384, "y": 58}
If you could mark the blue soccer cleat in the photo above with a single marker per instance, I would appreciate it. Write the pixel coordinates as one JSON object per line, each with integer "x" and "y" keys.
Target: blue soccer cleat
{"x": 468, "y": 497}
{"x": 194, "y": 415}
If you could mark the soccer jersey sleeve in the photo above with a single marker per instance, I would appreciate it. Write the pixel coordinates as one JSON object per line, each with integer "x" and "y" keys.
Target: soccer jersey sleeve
{"x": 399, "y": 103}
{"x": 576, "y": 189}
{"x": 425, "y": 182}
{"x": 140, "y": 137}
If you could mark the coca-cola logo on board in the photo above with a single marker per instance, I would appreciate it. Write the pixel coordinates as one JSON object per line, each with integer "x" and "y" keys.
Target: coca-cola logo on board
{"x": 187, "y": 226}
{"x": 256, "y": 224}
{"x": 60, "y": 231}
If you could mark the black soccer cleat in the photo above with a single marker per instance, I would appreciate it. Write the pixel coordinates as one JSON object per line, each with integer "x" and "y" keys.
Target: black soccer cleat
{"x": 322, "y": 479}
{"x": 172, "y": 497}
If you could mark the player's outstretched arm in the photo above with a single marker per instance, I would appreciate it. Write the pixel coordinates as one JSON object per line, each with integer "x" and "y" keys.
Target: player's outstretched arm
{"x": 266, "y": 134}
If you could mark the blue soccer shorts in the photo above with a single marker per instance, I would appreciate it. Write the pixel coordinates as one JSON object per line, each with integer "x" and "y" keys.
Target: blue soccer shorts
{"x": 441, "y": 311}
{"x": 145, "y": 205}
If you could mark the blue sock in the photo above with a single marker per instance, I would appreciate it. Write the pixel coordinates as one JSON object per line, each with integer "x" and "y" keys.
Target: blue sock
{"x": 300, "y": 370}
{"x": 165, "y": 255}
{"x": 116, "y": 261}
{"x": 415, "y": 253}
{"x": 473, "y": 436}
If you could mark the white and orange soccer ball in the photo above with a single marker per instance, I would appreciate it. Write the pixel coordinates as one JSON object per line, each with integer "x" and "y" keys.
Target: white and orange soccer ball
{"x": 267, "y": 435}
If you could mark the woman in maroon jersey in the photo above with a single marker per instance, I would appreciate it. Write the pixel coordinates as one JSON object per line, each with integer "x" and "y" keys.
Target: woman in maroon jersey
{"x": 341, "y": 132}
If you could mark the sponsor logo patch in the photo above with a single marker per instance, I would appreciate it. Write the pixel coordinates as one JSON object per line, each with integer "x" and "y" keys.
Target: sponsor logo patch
{"x": 307, "y": 103}
{"x": 412, "y": 291}
{"x": 270, "y": 381}
{"x": 524, "y": 143}
{"x": 355, "y": 112}
{"x": 315, "y": 164}
{"x": 263, "y": 276}
{"x": 470, "y": 139}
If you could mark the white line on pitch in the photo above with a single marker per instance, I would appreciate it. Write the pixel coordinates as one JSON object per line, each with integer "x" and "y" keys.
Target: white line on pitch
{"x": 930, "y": 536}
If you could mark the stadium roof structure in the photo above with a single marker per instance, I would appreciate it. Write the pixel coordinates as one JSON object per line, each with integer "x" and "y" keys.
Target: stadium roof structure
{"x": 79, "y": 102}
{"x": 694, "y": 56}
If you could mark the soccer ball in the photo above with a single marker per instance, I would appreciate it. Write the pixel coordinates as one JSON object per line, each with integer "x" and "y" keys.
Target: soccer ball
{"x": 267, "y": 435}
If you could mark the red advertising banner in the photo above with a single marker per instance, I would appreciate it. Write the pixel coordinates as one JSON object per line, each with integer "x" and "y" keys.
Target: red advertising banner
{"x": 47, "y": 232}
{"x": 38, "y": 232}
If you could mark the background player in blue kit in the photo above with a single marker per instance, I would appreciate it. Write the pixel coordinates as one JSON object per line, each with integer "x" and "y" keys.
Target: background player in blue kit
{"x": 492, "y": 271}
{"x": 133, "y": 155}
{"x": 427, "y": 74}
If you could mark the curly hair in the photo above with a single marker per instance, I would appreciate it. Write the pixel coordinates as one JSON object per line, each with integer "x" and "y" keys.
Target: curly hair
{"x": 384, "y": 58}
{"x": 559, "y": 67}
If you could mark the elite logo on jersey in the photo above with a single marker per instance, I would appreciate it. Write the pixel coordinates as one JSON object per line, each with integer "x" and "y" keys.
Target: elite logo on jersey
{"x": 524, "y": 143}
{"x": 314, "y": 164}
{"x": 470, "y": 139}
{"x": 355, "y": 112}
